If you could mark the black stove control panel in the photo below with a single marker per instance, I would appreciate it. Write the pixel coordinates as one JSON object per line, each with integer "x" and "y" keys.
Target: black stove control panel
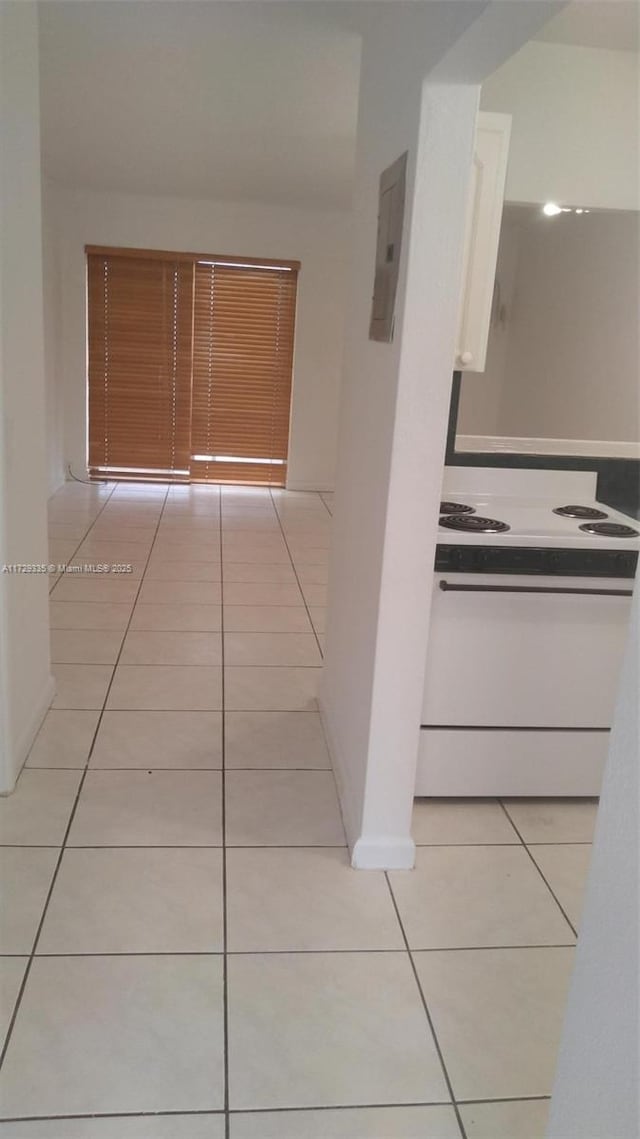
{"x": 543, "y": 560}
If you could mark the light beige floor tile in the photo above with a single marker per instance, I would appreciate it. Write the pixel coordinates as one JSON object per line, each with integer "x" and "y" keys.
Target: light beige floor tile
{"x": 315, "y": 595}
{"x": 309, "y": 555}
{"x": 178, "y": 617}
{"x": 160, "y": 570}
{"x": 460, "y": 822}
{"x": 171, "y": 687}
{"x": 244, "y": 521}
{"x": 282, "y": 808}
{"x": 11, "y": 976}
{"x": 64, "y": 739}
{"x": 554, "y": 820}
{"x": 266, "y": 619}
{"x": 271, "y": 689}
{"x": 60, "y": 551}
{"x": 311, "y": 899}
{"x": 148, "y": 808}
{"x": 518, "y": 1119}
{"x": 313, "y": 575}
{"x": 135, "y": 901}
{"x": 25, "y": 877}
{"x": 117, "y": 1034}
{"x": 565, "y": 867}
{"x": 118, "y": 552}
{"x": 115, "y": 531}
{"x": 186, "y": 551}
{"x": 181, "y": 592}
{"x": 159, "y": 740}
{"x": 97, "y": 588}
{"x": 275, "y": 739}
{"x": 84, "y": 646}
{"x": 67, "y": 531}
{"x": 498, "y": 1016}
{"x": 258, "y": 572}
{"x": 271, "y": 649}
{"x": 110, "y": 615}
{"x": 237, "y": 552}
{"x": 265, "y": 593}
{"x": 435, "y": 1122}
{"x": 81, "y": 685}
{"x": 466, "y": 896}
{"x": 37, "y": 812}
{"x": 318, "y": 615}
{"x": 204, "y": 1126}
{"x": 326, "y": 1029}
{"x": 158, "y": 647}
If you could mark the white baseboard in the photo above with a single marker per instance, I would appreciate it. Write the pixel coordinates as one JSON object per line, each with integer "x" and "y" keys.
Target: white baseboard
{"x": 25, "y": 740}
{"x": 367, "y": 853}
{"x": 384, "y": 854}
{"x": 318, "y": 487}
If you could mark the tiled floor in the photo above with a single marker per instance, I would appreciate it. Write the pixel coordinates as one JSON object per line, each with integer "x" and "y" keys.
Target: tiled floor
{"x": 187, "y": 954}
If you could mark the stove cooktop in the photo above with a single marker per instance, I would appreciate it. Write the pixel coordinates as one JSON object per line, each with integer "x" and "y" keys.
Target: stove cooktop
{"x": 456, "y": 508}
{"x": 609, "y": 529}
{"x": 589, "y": 512}
{"x": 535, "y": 521}
{"x": 474, "y": 523}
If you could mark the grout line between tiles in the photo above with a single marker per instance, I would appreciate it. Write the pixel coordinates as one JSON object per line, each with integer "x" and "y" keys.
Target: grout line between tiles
{"x": 18, "y": 1002}
{"x": 322, "y": 952}
{"x": 293, "y": 566}
{"x": 544, "y": 879}
{"x": 225, "y": 925}
{"x": 426, "y": 1009}
{"x": 66, "y": 561}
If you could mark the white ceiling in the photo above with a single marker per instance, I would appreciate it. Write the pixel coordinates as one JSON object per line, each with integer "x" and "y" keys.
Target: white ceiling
{"x": 612, "y": 24}
{"x": 234, "y": 101}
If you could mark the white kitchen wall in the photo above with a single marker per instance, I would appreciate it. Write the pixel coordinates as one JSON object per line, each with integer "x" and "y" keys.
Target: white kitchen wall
{"x": 26, "y": 688}
{"x": 52, "y": 340}
{"x": 574, "y": 136}
{"x": 317, "y": 239}
{"x": 564, "y": 365}
{"x": 395, "y": 403}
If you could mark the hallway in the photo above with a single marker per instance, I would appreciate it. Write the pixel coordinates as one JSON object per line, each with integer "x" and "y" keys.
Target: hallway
{"x": 186, "y": 953}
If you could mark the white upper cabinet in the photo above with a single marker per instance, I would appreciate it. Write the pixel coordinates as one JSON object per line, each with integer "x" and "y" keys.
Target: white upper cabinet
{"x": 484, "y": 215}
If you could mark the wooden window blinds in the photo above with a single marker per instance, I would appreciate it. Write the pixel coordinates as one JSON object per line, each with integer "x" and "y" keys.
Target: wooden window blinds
{"x": 190, "y": 365}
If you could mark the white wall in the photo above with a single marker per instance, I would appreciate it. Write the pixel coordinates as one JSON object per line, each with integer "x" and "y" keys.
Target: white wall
{"x": 574, "y": 137}
{"x": 394, "y": 410}
{"x": 566, "y": 364}
{"x": 25, "y": 684}
{"x": 318, "y": 240}
{"x": 52, "y": 339}
{"x": 596, "y": 1086}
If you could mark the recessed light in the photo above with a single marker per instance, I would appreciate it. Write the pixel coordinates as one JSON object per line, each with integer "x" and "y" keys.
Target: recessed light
{"x": 550, "y": 209}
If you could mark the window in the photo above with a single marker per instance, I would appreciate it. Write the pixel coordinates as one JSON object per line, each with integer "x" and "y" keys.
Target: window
{"x": 190, "y": 366}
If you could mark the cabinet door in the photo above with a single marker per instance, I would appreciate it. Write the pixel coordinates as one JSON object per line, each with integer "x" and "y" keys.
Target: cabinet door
{"x": 484, "y": 215}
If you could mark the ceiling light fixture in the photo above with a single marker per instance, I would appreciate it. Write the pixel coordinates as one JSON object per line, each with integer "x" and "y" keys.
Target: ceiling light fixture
{"x": 550, "y": 209}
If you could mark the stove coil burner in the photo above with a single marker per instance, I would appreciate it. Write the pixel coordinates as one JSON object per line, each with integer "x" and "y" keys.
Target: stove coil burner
{"x": 609, "y": 529}
{"x": 475, "y": 523}
{"x": 589, "y": 512}
{"x": 456, "y": 508}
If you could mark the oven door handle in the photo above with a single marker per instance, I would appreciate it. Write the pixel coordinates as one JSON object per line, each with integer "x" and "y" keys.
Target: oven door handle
{"x": 447, "y": 586}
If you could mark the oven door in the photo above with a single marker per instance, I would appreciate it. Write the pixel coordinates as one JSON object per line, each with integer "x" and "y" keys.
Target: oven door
{"x": 520, "y": 684}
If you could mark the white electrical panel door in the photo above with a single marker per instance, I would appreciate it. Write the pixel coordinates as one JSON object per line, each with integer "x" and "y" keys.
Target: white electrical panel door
{"x": 484, "y": 217}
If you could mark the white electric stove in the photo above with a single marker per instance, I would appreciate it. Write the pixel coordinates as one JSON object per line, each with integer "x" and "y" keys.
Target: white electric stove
{"x": 529, "y": 615}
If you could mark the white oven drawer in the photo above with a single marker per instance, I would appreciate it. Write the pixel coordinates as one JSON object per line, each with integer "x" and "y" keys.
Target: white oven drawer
{"x": 477, "y": 762}
{"x": 504, "y": 654}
